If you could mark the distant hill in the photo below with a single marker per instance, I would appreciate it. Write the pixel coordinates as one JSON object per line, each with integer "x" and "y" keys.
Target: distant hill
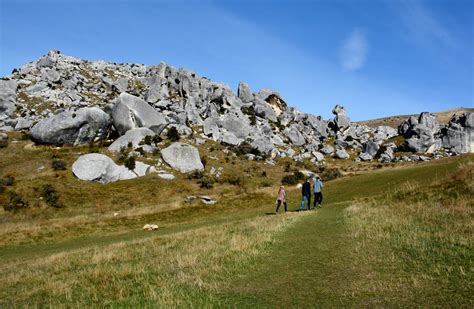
{"x": 394, "y": 121}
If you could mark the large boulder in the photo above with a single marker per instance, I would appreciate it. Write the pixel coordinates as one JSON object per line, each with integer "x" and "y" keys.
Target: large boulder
{"x": 72, "y": 127}
{"x": 341, "y": 121}
{"x": 100, "y": 168}
{"x": 421, "y": 134}
{"x": 7, "y": 98}
{"x": 458, "y": 136}
{"x": 131, "y": 112}
{"x": 134, "y": 137}
{"x": 182, "y": 157}
{"x": 244, "y": 93}
{"x": 384, "y": 132}
{"x": 295, "y": 136}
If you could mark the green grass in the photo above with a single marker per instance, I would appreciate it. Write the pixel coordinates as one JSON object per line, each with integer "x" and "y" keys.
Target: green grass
{"x": 382, "y": 238}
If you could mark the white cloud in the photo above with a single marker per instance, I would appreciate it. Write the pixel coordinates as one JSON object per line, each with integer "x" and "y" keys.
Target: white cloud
{"x": 354, "y": 51}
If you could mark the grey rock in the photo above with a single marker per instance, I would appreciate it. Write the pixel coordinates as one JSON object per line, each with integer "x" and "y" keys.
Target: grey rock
{"x": 263, "y": 144}
{"x": 244, "y": 92}
{"x": 182, "y": 157}
{"x": 342, "y": 154}
{"x": 365, "y": 156}
{"x": 72, "y": 128}
{"x": 341, "y": 120}
{"x": 142, "y": 169}
{"x": 318, "y": 156}
{"x": 230, "y": 138}
{"x": 265, "y": 110}
{"x": 165, "y": 175}
{"x": 327, "y": 150}
{"x": 131, "y": 112}
{"x": 458, "y": 136}
{"x": 371, "y": 148}
{"x": 50, "y": 75}
{"x": 100, "y": 168}
{"x": 238, "y": 126}
{"x": 134, "y": 136}
{"x": 384, "y": 132}
{"x": 295, "y": 137}
{"x": 7, "y": 98}
{"x": 23, "y": 124}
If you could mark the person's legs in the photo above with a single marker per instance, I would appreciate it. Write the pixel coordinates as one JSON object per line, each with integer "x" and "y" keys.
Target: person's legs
{"x": 278, "y": 206}
{"x": 309, "y": 201}
{"x": 320, "y": 199}
{"x": 302, "y": 201}
{"x": 315, "y": 199}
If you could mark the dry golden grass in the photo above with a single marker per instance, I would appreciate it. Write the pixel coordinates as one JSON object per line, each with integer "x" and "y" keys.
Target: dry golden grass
{"x": 181, "y": 269}
{"x": 423, "y": 233}
{"x": 394, "y": 121}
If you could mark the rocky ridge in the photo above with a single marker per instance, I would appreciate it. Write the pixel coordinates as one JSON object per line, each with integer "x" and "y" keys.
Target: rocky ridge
{"x": 61, "y": 100}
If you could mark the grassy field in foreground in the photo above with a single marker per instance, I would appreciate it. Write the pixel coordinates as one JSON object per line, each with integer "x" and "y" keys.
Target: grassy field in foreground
{"x": 393, "y": 237}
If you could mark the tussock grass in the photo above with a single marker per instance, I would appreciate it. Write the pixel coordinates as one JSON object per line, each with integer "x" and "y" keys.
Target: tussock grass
{"x": 181, "y": 269}
{"x": 422, "y": 235}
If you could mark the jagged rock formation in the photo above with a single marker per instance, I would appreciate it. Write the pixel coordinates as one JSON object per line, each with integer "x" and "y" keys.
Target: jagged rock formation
{"x": 65, "y": 100}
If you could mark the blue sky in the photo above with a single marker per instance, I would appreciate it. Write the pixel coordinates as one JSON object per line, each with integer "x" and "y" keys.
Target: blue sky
{"x": 377, "y": 58}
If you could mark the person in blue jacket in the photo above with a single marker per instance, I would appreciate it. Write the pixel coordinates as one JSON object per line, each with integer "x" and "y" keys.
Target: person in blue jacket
{"x": 318, "y": 195}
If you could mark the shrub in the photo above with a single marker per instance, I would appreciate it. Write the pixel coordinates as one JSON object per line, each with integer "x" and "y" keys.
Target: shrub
{"x": 292, "y": 179}
{"x": 206, "y": 182}
{"x": 196, "y": 175}
{"x": 245, "y": 148}
{"x": 172, "y": 134}
{"x": 204, "y": 161}
{"x": 232, "y": 179}
{"x": 130, "y": 163}
{"x": 15, "y": 202}
{"x": 3, "y": 141}
{"x": 264, "y": 174}
{"x": 266, "y": 183}
{"x": 51, "y": 196}
{"x": 58, "y": 165}
{"x": 8, "y": 180}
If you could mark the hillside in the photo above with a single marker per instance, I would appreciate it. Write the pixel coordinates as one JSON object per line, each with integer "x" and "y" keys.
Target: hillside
{"x": 125, "y": 185}
{"x": 394, "y": 121}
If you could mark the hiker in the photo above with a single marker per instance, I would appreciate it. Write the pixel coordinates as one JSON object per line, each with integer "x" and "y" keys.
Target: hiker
{"x": 318, "y": 195}
{"x": 281, "y": 198}
{"x": 306, "y": 192}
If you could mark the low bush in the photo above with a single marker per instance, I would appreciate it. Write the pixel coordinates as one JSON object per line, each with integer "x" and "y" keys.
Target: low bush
{"x": 130, "y": 163}
{"x": 196, "y": 175}
{"x": 14, "y": 202}
{"x": 292, "y": 179}
{"x": 232, "y": 180}
{"x": 8, "y": 180}
{"x": 245, "y": 148}
{"x": 3, "y": 142}
{"x": 172, "y": 134}
{"x": 58, "y": 165}
{"x": 51, "y": 196}
{"x": 206, "y": 182}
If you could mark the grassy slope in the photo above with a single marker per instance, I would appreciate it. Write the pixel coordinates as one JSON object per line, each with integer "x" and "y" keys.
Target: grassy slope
{"x": 394, "y": 121}
{"x": 316, "y": 250}
{"x": 318, "y": 262}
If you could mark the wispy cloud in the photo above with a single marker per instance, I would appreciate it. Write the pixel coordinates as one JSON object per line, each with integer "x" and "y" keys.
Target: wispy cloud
{"x": 354, "y": 51}
{"x": 423, "y": 23}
